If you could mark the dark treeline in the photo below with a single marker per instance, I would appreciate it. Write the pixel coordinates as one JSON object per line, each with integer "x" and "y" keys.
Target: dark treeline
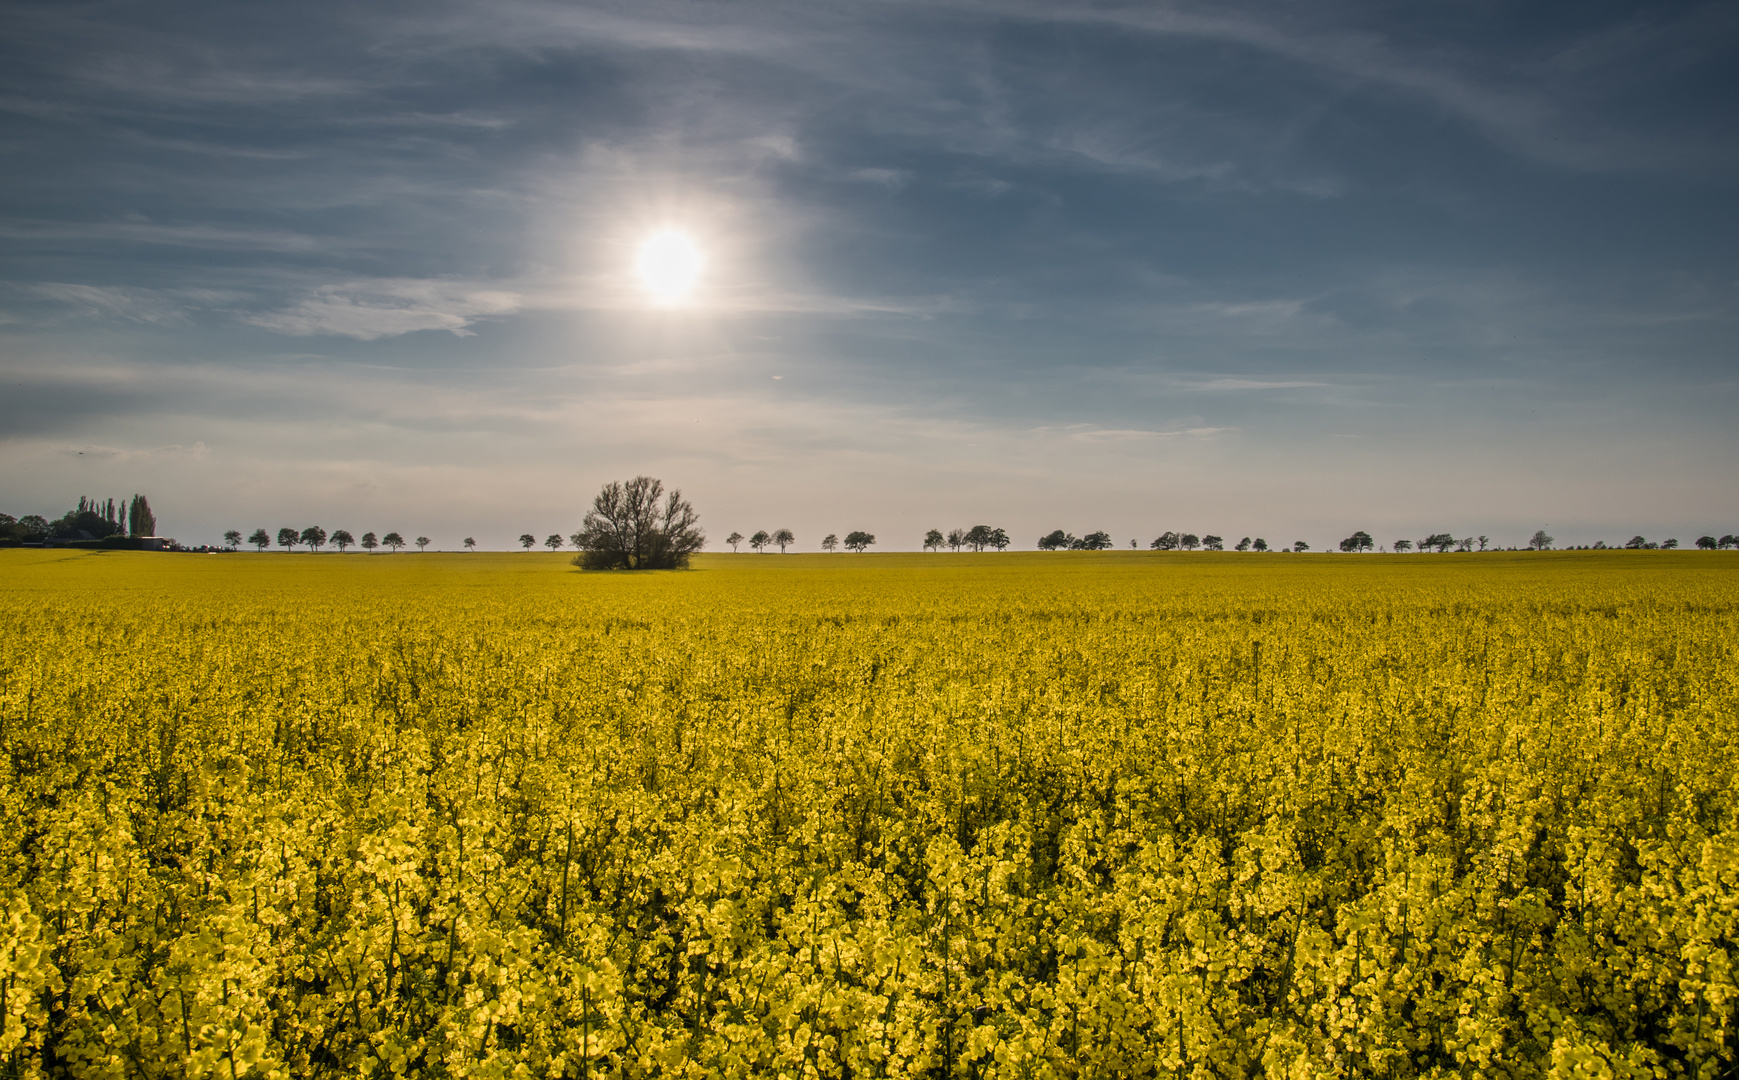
{"x": 91, "y": 520}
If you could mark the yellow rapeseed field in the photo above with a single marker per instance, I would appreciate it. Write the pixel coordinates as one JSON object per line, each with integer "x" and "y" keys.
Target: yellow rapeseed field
{"x": 1044, "y": 815}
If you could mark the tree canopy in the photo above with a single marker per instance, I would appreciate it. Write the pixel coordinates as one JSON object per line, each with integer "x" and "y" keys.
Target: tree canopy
{"x": 636, "y": 526}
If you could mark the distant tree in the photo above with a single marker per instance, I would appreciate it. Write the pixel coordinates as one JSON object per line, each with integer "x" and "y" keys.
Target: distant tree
{"x": 1441, "y": 542}
{"x": 261, "y": 539}
{"x": 1054, "y": 540}
{"x": 31, "y": 528}
{"x": 1669, "y": 545}
{"x": 734, "y": 539}
{"x": 1484, "y": 540}
{"x": 1189, "y": 541}
{"x": 784, "y": 538}
{"x": 470, "y": 543}
{"x": 342, "y": 539}
{"x": 140, "y": 520}
{"x": 526, "y": 540}
{"x": 422, "y": 543}
{"x": 1403, "y": 545}
{"x": 1243, "y": 545}
{"x": 370, "y": 542}
{"x": 933, "y": 540}
{"x": 1636, "y": 543}
{"x": 1165, "y": 541}
{"x": 1706, "y": 543}
{"x": 830, "y": 542}
{"x": 1727, "y": 540}
{"x": 1260, "y": 544}
{"x": 232, "y": 538}
{"x": 554, "y": 541}
{"x": 956, "y": 539}
{"x": 634, "y": 525}
{"x": 1540, "y": 541}
{"x": 288, "y": 538}
{"x": 395, "y": 541}
{"x": 760, "y": 540}
{"x": 8, "y": 527}
{"x": 978, "y": 537}
{"x": 1301, "y": 546}
{"x": 1359, "y": 541}
{"x": 1214, "y": 543}
{"x": 314, "y": 536}
{"x": 999, "y": 539}
{"x": 1096, "y": 541}
{"x": 1464, "y": 544}
{"x": 858, "y": 541}
{"x": 1132, "y": 544}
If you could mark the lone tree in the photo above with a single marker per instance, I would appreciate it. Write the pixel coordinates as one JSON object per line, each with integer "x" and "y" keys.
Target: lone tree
{"x": 232, "y": 539}
{"x": 1096, "y": 541}
{"x": 1261, "y": 544}
{"x": 288, "y": 538}
{"x": 1359, "y": 541}
{"x": 342, "y": 539}
{"x": 393, "y": 540}
{"x": 1243, "y": 545}
{"x": 760, "y": 540}
{"x": 933, "y": 540}
{"x": 858, "y": 541}
{"x": 470, "y": 543}
{"x": 1403, "y": 545}
{"x": 1214, "y": 543}
{"x": 1166, "y": 541}
{"x": 370, "y": 542}
{"x": 422, "y": 543}
{"x": 635, "y": 526}
{"x": 261, "y": 539}
{"x": 314, "y": 536}
{"x": 830, "y": 543}
{"x": 526, "y": 540}
{"x": 1300, "y": 546}
{"x": 1540, "y": 541}
{"x": 734, "y": 539}
{"x": 784, "y": 538}
{"x": 554, "y": 541}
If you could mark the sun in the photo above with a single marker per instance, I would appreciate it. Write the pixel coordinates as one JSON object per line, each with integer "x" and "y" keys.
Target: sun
{"x": 669, "y": 265}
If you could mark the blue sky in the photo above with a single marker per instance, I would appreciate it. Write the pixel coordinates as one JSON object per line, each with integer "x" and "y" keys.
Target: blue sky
{"x": 1276, "y": 269}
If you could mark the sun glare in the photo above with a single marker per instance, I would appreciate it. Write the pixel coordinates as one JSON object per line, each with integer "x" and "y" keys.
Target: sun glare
{"x": 669, "y": 265}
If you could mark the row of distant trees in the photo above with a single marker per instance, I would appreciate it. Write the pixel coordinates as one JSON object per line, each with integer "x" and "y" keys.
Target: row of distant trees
{"x": 784, "y": 538}
{"x": 984, "y": 537}
{"x": 314, "y": 538}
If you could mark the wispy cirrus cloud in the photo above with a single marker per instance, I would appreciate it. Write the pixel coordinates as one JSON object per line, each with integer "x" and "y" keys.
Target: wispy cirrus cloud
{"x": 368, "y": 311}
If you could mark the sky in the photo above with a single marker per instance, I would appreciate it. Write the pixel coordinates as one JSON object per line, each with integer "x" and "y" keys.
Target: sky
{"x": 1276, "y": 269}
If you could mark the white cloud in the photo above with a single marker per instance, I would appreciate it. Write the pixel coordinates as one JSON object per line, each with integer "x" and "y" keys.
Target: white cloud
{"x": 371, "y": 310}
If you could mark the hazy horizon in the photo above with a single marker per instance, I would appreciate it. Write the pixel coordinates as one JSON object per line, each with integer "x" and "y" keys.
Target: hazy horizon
{"x": 1250, "y": 269}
